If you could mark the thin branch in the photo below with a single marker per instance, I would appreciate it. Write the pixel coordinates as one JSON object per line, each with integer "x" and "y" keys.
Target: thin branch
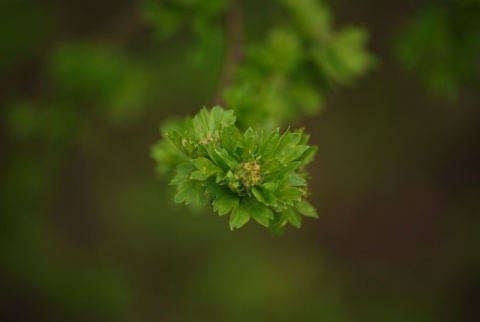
{"x": 235, "y": 49}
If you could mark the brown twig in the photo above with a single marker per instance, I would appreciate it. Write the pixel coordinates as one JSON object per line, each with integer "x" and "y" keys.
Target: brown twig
{"x": 124, "y": 26}
{"x": 235, "y": 49}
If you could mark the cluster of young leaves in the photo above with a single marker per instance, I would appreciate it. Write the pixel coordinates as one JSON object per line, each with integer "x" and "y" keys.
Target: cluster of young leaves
{"x": 248, "y": 174}
{"x": 287, "y": 76}
{"x": 442, "y": 44}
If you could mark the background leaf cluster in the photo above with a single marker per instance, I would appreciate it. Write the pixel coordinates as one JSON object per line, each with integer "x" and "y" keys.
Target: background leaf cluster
{"x": 285, "y": 75}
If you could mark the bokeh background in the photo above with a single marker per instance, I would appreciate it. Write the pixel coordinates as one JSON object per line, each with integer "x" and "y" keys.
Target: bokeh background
{"x": 88, "y": 232}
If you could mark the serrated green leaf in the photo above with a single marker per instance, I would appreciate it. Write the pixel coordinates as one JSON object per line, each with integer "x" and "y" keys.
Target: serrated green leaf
{"x": 201, "y": 123}
{"x": 290, "y": 194}
{"x": 286, "y": 170}
{"x": 198, "y": 175}
{"x": 182, "y": 173}
{"x": 292, "y": 153}
{"x": 178, "y": 180}
{"x": 306, "y": 209}
{"x": 249, "y": 133}
{"x": 240, "y": 216}
{"x": 277, "y": 224}
{"x": 223, "y": 118}
{"x": 230, "y": 161}
{"x": 189, "y": 191}
{"x": 221, "y": 158}
{"x": 270, "y": 186}
{"x": 293, "y": 217}
{"x": 272, "y": 166}
{"x": 261, "y": 213}
{"x": 224, "y": 199}
{"x": 287, "y": 140}
{"x": 296, "y": 180}
{"x": 225, "y": 203}
{"x": 176, "y": 139}
{"x": 221, "y": 176}
{"x": 265, "y": 193}
{"x": 308, "y": 155}
{"x": 305, "y": 137}
{"x": 206, "y": 123}
{"x": 216, "y": 115}
{"x": 205, "y": 167}
{"x": 251, "y": 142}
{"x": 167, "y": 157}
{"x": 231, "y": 139}
{"x": 182, "y": 143}
{"x": 216, "y": 158}
{"x": 268, "y": 145}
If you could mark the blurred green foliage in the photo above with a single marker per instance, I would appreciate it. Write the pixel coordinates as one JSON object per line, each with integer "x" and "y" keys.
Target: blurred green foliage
{"x": 85, "y": 81}
{"x": 287, "y": 75}
{"x": 441, "y": 44}
{"x": 103, "y": 76}
{"x": 26, "y": 25}
{"x": 169, "y": 16}
{"x": 200, "y": 17}
{"x": 87, "y": 233}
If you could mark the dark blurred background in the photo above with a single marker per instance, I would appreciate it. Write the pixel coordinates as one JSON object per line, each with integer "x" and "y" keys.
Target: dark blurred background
{"x": 89, "y": 233}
